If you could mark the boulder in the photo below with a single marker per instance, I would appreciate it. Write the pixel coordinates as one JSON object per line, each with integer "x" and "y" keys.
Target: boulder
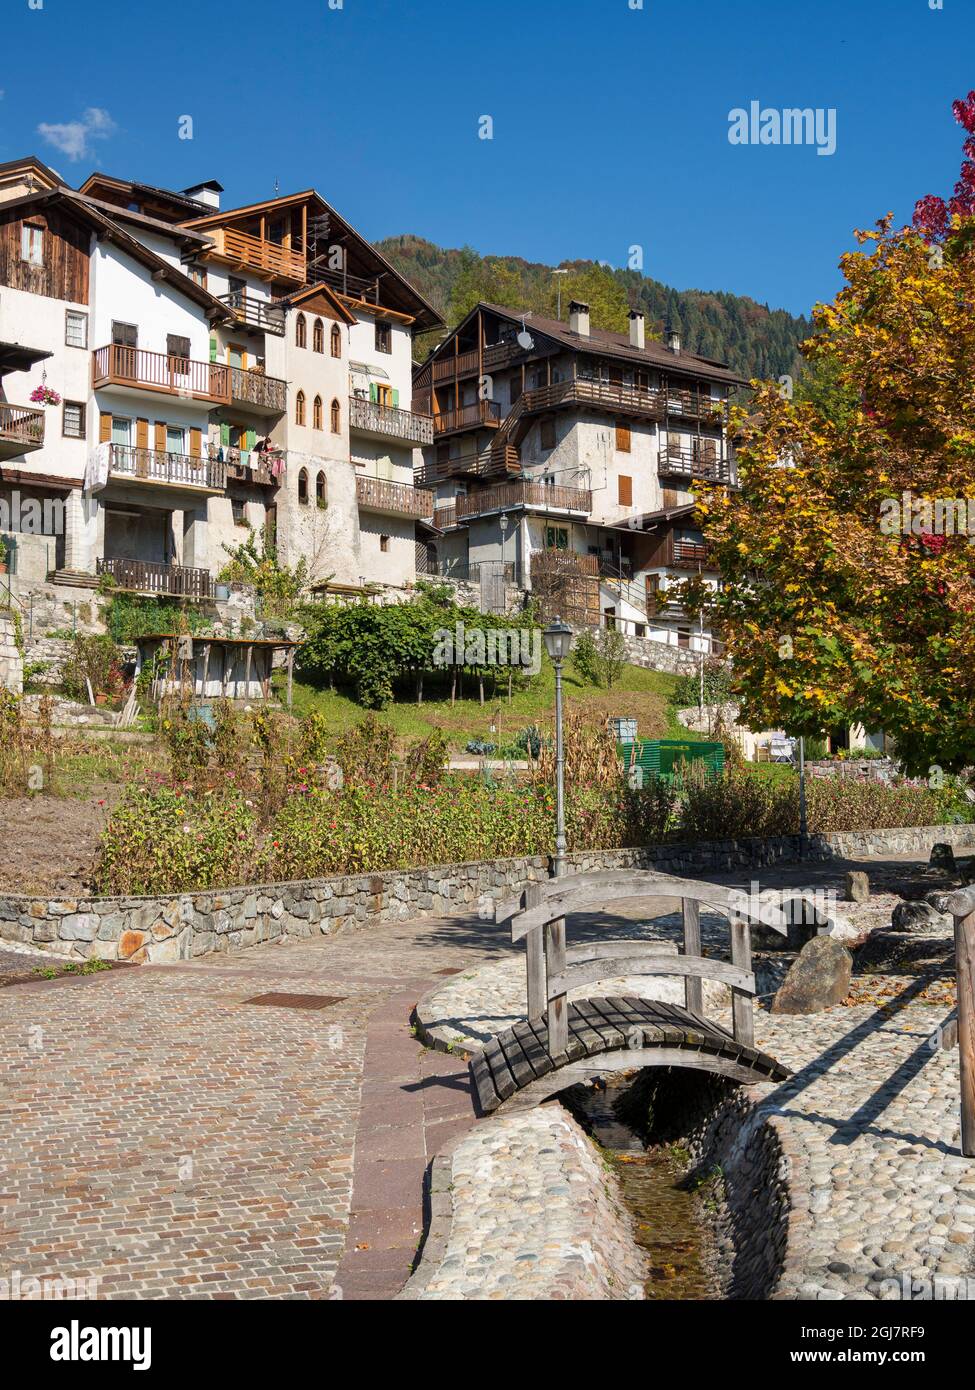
{"x": 857, "y": 887}
{"x": 942, "y": 857}
{"x": 818, "y": 979}
{"x": 919, "y": 916}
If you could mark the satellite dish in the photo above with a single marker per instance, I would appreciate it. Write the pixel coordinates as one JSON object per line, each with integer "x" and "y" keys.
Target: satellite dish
{"x": 525, "y": 340}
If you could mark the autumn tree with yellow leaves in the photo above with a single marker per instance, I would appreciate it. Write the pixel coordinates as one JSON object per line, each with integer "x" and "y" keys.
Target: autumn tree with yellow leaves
{"x": 849, "y": 570}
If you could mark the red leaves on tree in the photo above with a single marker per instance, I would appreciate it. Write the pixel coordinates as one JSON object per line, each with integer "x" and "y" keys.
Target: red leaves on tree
{"x": 932, "y": 215}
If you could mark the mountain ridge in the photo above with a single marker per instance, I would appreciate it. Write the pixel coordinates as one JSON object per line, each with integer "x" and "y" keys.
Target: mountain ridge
{"x": 747, "y": 336}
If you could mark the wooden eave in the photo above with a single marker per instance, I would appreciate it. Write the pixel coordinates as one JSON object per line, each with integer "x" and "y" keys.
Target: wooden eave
{"x": 305, "y": 299}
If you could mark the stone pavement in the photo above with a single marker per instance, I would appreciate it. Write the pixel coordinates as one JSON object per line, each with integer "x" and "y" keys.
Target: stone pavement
{"x": 171, "y": 1140}
{"x": 165, "y": 1136}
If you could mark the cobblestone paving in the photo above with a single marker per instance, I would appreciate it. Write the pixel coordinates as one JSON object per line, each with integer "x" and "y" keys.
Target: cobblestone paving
{"x": 172, "y": 1141}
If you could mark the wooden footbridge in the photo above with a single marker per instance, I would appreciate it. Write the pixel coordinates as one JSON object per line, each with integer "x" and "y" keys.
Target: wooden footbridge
{"x": 562, "y": 1043}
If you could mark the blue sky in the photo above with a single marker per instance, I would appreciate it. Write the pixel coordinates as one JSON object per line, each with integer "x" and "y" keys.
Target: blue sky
{"x": 610, "y": 124}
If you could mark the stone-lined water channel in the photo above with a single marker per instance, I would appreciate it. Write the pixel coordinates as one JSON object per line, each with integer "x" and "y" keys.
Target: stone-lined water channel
{"x": 668, "y": 1207}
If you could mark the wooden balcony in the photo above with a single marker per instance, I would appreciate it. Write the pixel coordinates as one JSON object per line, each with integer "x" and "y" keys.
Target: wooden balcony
{"x": 352, "y": 286}
{"x": 389, "y": 422}
{"x": 692, "y": 555}
{"x": 256, "y": 313}
{"x": 468, "y": 417}
{"x": 694, "y": 463}
{"x": 145, "y": 577}
{"x": 248, "y": 252}
{"x": 530, "y": 496}
{"x": 565, "y": 562}
{"x": 637, "y": 402}
{"x": 21, "y": 430}
{"x": 694, "y": 405}
{"x": 267, "y": 395}
{"x": 158, "y": 371}
{"x": 170, "y": 470}
{"x": 488, "y": 463}
{"x": 393, "y": 499}
{"x": 444, "y": 518}
{"x": 466, "y": 364}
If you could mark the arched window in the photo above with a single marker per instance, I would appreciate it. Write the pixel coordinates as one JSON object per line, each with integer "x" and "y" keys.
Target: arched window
{"x": 301, "y": 332}
{"x": 303, "y": 487}
{"x": 300, "y": 408}
{"x": 318, "y": 336}
{"x": 336, "y": 418}
{"x": 321, "y": 491}
{"x": 336, "y": 340}
{"x": 317, "y": 417}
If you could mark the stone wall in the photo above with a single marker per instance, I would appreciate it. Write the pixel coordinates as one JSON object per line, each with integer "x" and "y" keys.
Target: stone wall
{"x": 194, "y": 924}
{"x": 657, "y": 656}
{"x": 11, "y": 661}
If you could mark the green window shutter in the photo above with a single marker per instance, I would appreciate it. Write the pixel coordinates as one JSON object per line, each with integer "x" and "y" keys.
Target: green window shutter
{"x": 213, "y": 349}
{"x": 395, "y": 398}
{"x": 372, "y": 391}
{"x": 251, "y": 439}
{"x": 224, "y": 434}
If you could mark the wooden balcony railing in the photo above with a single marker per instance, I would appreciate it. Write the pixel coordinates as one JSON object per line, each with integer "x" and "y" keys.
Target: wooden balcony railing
{"x": 390, "y": 421}
{"x": 468, "y": 417}
{"x": 251, "y": 253}
{"x": 681, "y": 461}
{"x": 260, "y": 392}
{"x": 159, "y": 371}
{"x": 21, "y": 425}
{"x": 490, "y": 358}
{"x": 257, "y": 313}
{"x": 689, "y": 554}
{"x": 178, "y": 470}
{"x": 488, "y": 463}
{"x": 378, "y": 495}
{"x": 565, "y": 562}
{"x": 694, "y": 405}
{"x": 146, "y": 577}
{"x": 524, "y": 494}
{"x": 445, "y": 517}
{"x": 352, "y": 286}
{"x": 638, "y": 401}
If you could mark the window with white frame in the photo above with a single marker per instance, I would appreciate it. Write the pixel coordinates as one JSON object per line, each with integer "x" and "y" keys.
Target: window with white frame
{"x": 75, "y": 328}
{"x": 174, "y": 439}
{"x": 74, "y": 420}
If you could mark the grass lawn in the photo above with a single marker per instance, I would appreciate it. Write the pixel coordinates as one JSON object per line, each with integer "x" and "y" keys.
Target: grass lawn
{"x": 640, "y": 694}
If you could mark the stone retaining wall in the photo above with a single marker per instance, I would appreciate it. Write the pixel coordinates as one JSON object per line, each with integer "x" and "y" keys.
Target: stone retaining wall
{"x": 194, "y": 924}
{"x": 11, "y": 661}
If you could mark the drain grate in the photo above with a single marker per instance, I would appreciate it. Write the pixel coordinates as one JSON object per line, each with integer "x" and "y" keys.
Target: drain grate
{"x": 297, "y": 1001}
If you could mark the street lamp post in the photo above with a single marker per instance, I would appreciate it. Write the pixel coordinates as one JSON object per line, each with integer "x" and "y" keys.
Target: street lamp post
{"x": 503, "y": 523}
{"x": 803, "y": 826}
{"x": 558, "y": 640}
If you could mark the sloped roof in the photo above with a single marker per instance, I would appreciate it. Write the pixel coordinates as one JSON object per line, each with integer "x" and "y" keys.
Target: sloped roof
{"x": 604, "y": 342}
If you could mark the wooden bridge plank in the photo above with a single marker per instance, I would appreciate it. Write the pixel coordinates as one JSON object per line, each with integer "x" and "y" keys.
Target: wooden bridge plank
{"x": 504, "y": 1083}
{"x": 694, "y": 989}
{"x": 514, "y": 1055}
{"x": 538, "y": 1056}
{"x": 481, "y": 1075}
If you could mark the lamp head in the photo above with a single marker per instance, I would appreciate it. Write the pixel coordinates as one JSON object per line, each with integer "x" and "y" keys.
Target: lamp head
{"x": 558, "y": 640}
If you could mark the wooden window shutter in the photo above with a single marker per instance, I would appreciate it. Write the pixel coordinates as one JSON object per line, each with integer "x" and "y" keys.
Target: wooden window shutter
{"x": 625, "y": 491}
{"x": 623, "y": 438}
{"x": 104, "y": 428}
{"x": 373, "y": 393}
{"x": 160, "y": 444}
{"x": 395, "y": 398}
{"x": 196, "y": 443}
{"x": 251, "y": 439}
{"x": 142, "y": 434}
{"x": 224, "y": 434}
{"x": 213, "y": 349}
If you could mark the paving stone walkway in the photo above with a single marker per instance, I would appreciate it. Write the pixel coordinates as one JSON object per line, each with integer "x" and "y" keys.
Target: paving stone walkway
{"x": 162, "y": 1134}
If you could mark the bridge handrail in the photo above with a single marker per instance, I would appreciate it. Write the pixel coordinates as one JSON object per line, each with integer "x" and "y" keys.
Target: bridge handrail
{"x": 590, "y": 972}
{"x": 560, "y": 897}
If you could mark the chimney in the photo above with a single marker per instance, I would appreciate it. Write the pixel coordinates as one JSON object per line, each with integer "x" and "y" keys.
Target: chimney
{"x": 638, "y": 329}
{"x": 206, "y": 193}
{"x": 579, "y": 318}
{"x": 673, "y": 339}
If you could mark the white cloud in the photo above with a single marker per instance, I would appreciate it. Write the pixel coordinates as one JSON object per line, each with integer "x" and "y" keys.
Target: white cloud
{"x": 73, "y": 138}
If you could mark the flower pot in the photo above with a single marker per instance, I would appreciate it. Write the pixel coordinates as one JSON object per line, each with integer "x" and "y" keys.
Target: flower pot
{"x": 221, "y": 592}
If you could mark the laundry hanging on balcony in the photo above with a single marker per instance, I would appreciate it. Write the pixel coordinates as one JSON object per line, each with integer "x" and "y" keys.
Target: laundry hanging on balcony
{"x": 97, "y": 468}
